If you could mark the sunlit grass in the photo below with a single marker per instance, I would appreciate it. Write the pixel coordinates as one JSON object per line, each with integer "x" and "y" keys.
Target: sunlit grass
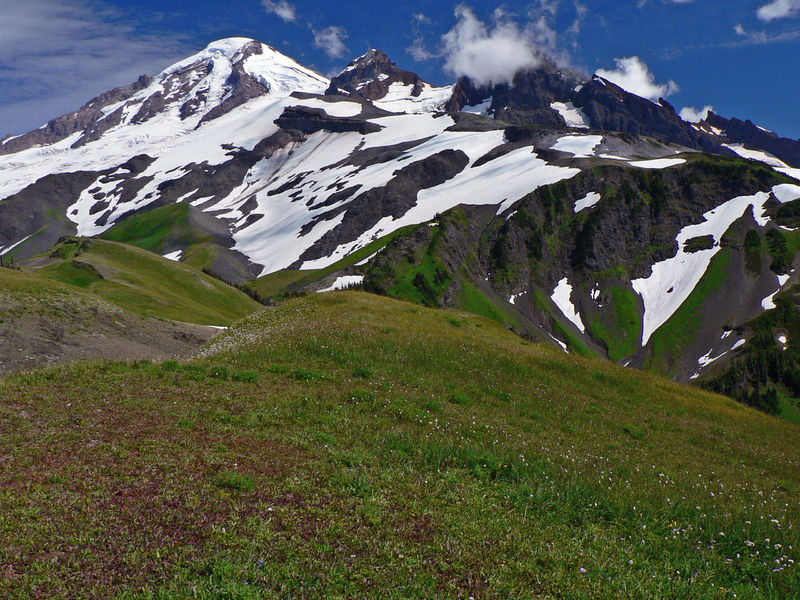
{"x": 348, "y": 445}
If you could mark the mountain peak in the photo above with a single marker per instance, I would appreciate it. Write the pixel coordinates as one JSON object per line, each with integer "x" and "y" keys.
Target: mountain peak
{"x": 370, "y": 76}
{"x": 230, "y": 46}
{"x": 226, "y": 74}
{"x": 372, "y": 56}
{"x": 369, "y": 65}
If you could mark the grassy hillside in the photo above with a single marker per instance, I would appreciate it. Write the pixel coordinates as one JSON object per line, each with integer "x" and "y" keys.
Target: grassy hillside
{"x": 45, "y": 322}
{"x": 146, "y": 283}
{"x": 154, "y": 230}
{"x": 349, "y": 445}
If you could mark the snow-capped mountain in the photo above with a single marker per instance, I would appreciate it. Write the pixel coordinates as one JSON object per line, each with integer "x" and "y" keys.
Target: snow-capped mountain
{"x": 276, "y": 167}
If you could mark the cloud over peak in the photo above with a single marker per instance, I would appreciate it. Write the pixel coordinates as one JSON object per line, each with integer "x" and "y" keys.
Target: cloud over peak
{"x": 692, "y": 115}
{"x": 633, "y": 75}
{"x": 493, "y": 54}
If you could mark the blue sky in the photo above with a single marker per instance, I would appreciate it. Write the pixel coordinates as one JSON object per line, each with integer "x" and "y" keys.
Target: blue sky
{"x": 741, "y": 57}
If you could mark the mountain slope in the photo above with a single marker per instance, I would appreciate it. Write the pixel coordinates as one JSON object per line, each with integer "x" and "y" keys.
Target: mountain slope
{"x": 591, "y": 217}
{"x": 45, "y": 322}
{"x": 143, "y": 282}
{"x": 94, "y": 300}
{"x": 351, "y": 445}
{"x": 598, "y": 236}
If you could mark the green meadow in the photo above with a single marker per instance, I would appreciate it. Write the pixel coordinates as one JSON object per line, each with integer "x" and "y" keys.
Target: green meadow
{"x": 346, "y": 445}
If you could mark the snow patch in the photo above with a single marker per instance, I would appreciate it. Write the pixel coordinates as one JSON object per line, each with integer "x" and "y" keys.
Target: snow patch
{"x": 561, "y": 298}
{"x": 12, "y": 246}
{"x": 479, "y": 109}
{"x": 673, "y": 280}
{"x": 707, "y": 359}
{"x": 658, "y": 163}
{"x": 573, "y": 116}
{"x": 344, "y": 282}
{"x": 768, "y": 303}
{"x": 514, "y": 297}
{"x": 333, "y": 109}
{"x": 766, "y": 158}
{"x": 758, "y": 155}
{"x": 176, "y": 256}
{"x": 559, "y": 342}
{"x": 370, "y": 257}
{"x": 199, "y": 201}
{"x": 581, "y": 146}
{"x": 399, "y": 99}
{"x": 588, "y": 201}
{"x": 786, "y": 192}
{"x": 9, "y": 138}
{"x": 738, "y": 344}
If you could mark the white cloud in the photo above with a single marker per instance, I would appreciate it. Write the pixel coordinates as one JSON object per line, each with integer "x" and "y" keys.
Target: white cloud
{"x": 421, "y": 18}
{"x": 492, "y": 55}
{"x": 55, "y": 55}
{"x": 761, "y": 38}
{"x": 419, "y": 52}
{"x": 281, "y": 8}
{"x": 331, "y": 41}
{"x": 692, "y": 115}
{"x": 779, "y": 9}
{"x": 634, "y": 76}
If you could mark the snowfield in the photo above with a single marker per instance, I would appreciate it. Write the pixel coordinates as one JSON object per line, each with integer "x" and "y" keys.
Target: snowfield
{"x": 672, "y": 281}
{"x": 559, "y": 342}
{"x": 765, "y": 158}
{"x": 400, "y": 100}
{"x": 581, "y": 146}
{"x": 289, "y": 225}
